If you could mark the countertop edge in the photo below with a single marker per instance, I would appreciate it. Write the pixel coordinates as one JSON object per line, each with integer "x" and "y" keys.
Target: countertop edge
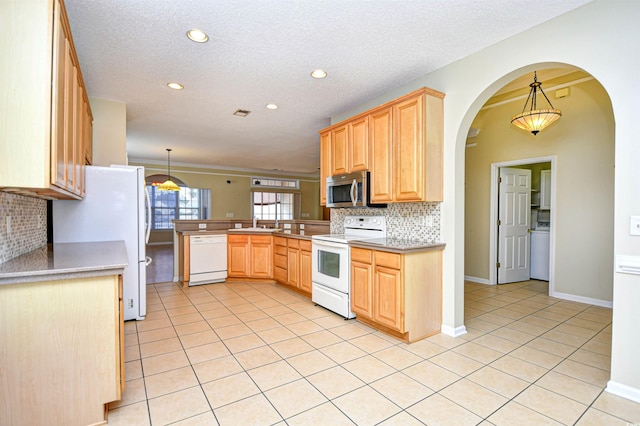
{"x": 418, "y": 248}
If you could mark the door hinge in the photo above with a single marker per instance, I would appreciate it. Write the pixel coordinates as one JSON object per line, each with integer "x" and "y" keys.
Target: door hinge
{"x": 499, "y": 222}
{"x": 498, "y": 265}
{"x": 499, "y": 179}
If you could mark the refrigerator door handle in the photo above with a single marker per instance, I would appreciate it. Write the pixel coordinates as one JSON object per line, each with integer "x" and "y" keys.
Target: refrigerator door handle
{"x": 148, "y": 208}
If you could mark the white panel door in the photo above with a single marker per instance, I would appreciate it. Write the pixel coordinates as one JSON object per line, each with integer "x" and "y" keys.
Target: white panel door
{"x": 514, "y": 207}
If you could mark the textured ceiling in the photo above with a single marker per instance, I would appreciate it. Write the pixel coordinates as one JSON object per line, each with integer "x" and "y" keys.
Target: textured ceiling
{"x": 262, "y": 52}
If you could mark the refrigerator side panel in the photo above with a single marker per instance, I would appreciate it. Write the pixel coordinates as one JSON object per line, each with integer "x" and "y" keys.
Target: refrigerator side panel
{"x": 109, "y": 212}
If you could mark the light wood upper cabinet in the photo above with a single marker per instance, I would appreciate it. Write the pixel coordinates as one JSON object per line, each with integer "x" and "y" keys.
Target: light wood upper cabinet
{"x": 325, "y": 165}
{"x": 400, "y": 143}
{"x": 381, "y": 156}
{"x": 339, "y": 150}
{"x": 45, "y": 131}
{"x": 408, "y": 141}
{"x": 358, "y": 145}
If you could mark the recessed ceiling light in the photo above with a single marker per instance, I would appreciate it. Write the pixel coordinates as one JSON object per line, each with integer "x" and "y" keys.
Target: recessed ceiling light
{"x": 272, "y": 106}
{"x": 319, "y": 74}
{"x": 197, "y": 36}
{"x": 175, "y": 86}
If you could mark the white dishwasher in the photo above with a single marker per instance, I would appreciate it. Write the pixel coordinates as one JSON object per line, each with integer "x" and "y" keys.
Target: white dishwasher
{"x": 207, "y": 259}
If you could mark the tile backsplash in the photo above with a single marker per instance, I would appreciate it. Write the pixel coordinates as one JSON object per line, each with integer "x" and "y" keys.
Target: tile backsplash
{"x": 404, "y": 220}
{"x": 28, "y": 225}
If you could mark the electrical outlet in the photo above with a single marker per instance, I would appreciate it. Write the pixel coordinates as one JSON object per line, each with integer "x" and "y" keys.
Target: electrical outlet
{"x": 202, "y": 226}
{"x": 304, "y": 214}
{"x": 237, "y": 225}
{"x": 8, "y": 225}
{"x": 634, "y": 225}
{"x": 230, "y": 214}
{"x": 427, "y": 221}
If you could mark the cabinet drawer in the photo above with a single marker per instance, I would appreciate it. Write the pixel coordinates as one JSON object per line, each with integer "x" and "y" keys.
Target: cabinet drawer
{"x": 390, "y": 260}
{"x": 280, "y": 241}
{"x": 305, "y": 245}
{"x": 232, "y": 238}
{"x": 280, "y": 261}
{"x": 361, "y": 255}
{"x": 280, "y": 250}
{"x": 293, "y": 243}
{"x": 261, "y": 239}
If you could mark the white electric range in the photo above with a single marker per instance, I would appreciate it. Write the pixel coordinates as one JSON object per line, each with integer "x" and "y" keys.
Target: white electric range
{"x": 331, "y": 259}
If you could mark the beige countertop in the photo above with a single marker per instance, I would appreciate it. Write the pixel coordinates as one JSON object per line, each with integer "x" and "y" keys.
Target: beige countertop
{"x": 397, "y": 245}
{"x": 66, "y": 261}
{"x": 204, "y": 232}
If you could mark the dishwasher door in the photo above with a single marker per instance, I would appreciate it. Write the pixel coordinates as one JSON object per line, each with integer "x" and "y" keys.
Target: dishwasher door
{"x": 207, "y": 259}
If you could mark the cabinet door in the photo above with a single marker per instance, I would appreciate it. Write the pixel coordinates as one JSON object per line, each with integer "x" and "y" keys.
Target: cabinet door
{"x": 305, "y": 271}
{"x": 339, "y": 151}
{"x": 61, "y": 48}
{"x": 238, "y": 255}
{"x": 261, "y": 257}
{"x": 358, "y": 154}
{"x": 361, "y": 289}
{"x": 408, "y": 140}
{"x": 380, "y": 156}
{"x": 388, "y": 297}
{"x": 293, "y": 263}
{"x": 325, "y": 165}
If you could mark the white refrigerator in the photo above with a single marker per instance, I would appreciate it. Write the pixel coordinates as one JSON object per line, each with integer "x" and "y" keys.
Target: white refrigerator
{"x": 115, "y": 208}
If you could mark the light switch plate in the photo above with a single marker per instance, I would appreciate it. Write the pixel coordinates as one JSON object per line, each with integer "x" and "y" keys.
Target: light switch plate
{"x": 230, "y": 214}
{"x": 202, "y": 226}
{"x": 634, "y": 225}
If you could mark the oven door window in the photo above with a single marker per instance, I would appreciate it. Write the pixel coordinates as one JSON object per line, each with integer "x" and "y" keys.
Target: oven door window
{"x": 329, "y": 263}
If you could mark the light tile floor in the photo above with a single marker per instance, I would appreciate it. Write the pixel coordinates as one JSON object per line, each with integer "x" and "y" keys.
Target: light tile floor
{"x": 256, "y": 353}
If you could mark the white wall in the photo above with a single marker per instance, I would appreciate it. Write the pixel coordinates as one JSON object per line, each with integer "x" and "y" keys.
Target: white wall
{"x": 109, "y": 132}
{"x": 601, "y": 38}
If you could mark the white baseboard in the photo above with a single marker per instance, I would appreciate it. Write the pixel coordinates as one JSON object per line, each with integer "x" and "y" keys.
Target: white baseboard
{"x": 581, "y": 299}
{"x": 477, "y": 280}
{"x": 453, "y": 332}
{"x": 623, "y": 390}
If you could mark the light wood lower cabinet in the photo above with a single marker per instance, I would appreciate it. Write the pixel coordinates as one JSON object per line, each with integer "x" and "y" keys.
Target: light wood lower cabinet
{"x": 62, "y": 350}
{"x": 292, "y": 263}
{"x": 400, "y": 294}
{"x": 249, "y": 256}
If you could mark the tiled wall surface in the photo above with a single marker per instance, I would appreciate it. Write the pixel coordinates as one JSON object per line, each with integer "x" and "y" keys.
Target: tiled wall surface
{"x": 28, "y": 225}
{"x": 404, "y": 220}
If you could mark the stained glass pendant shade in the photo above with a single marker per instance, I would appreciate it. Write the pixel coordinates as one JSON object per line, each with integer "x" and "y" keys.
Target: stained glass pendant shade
{"x": 534, "y": 120}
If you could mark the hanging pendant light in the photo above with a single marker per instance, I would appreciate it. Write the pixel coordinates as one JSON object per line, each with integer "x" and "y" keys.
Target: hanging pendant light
{"x": 535, "y": 120}
{"x": 168, "y": 185}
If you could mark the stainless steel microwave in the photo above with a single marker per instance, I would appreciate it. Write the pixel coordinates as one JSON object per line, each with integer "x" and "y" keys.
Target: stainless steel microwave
{"x": 349, "y": 190}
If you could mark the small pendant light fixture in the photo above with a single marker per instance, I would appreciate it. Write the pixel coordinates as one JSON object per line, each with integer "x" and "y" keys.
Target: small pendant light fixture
{"x": 535, "y": 120}
{"x": 168, "y": 185}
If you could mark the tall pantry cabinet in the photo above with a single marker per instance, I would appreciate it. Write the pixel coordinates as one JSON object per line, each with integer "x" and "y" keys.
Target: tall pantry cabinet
{"x": 46, "y": 120}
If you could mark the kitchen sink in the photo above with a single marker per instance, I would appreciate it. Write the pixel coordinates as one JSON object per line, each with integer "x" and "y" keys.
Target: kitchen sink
{"x": 254, "y": 230}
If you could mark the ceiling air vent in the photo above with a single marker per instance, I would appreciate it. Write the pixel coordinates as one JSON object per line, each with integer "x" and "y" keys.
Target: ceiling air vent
{"x": 242, "y": 112}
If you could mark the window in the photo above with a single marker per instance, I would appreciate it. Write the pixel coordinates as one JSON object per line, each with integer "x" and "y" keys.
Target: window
{"x": 261, "y": 182}
{"x": 268, "y": 205}
{"x": 188, "y": 203}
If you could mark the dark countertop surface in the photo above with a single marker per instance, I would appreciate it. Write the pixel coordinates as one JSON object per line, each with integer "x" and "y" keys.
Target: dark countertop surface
{"x": 66, "y": 261}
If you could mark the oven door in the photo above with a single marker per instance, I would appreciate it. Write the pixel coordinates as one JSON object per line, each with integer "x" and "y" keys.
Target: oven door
{"x": 330, "y": 263}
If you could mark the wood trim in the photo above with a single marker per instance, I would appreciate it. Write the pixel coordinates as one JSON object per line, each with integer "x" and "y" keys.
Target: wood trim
{"x": 421, "y": 91}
